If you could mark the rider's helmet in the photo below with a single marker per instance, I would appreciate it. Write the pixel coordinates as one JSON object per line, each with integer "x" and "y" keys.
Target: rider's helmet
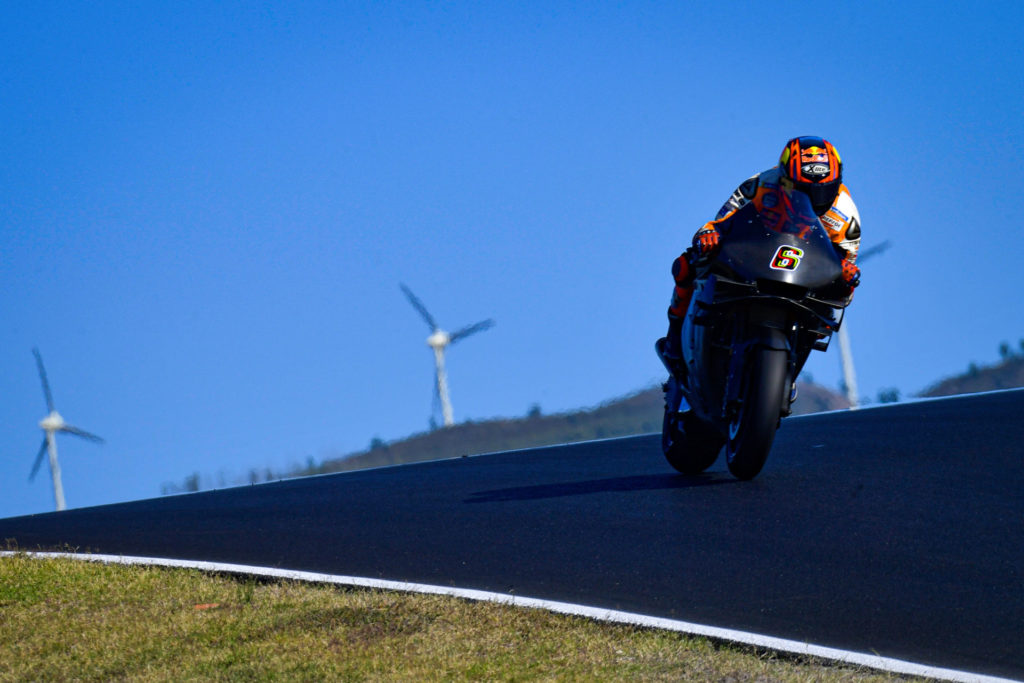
{"x": 814, "y": 166}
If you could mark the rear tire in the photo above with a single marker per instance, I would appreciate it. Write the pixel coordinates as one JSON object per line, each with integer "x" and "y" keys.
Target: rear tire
{"x": 689, "y": 445}
{"x": 752, "y": 429}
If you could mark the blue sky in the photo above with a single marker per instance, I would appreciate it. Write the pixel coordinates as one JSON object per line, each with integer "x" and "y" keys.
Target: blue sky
{"x": 206, "y": 208}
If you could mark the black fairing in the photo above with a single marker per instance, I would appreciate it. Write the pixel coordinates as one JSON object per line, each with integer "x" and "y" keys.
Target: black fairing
{"x": 749, "y": 247}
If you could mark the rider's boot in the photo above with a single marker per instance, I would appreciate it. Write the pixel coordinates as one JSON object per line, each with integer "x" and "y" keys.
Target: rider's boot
{"x": 670, "y": 346}
{"x": 673, "y": 338}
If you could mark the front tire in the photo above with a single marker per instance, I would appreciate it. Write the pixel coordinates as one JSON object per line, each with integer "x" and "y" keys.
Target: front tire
{"x": 752, "y": 429}
{"x": 689, "y": 445}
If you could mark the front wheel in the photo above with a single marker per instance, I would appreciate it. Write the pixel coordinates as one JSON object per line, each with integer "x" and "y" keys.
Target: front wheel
{"x": 689, "y": 445}
{"x": 752, "y": 428}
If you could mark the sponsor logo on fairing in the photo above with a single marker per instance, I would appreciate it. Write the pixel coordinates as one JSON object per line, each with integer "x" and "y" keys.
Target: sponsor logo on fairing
{"x": 787, "y": 258}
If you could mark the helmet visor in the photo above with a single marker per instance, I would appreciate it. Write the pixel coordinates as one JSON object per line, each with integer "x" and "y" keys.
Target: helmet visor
{"x": 822, "y": 195}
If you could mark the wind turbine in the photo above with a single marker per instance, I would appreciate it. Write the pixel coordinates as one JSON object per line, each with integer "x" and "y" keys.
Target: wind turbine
{"x": 439, "y": 340}
{"x": 849, "y": 374}
{"x": 51, "y": 424}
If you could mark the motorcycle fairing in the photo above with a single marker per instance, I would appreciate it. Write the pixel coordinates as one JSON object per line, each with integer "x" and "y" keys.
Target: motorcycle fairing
{"x": 754, "y": 242}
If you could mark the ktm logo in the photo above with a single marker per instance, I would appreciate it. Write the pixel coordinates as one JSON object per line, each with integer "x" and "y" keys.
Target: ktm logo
{"x": 787, "y": 258}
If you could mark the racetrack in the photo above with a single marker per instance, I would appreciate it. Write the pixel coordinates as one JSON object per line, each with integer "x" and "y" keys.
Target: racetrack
{"x": 895, "y": 530}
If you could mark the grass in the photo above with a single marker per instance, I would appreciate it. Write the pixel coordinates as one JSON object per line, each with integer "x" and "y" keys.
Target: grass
{"x": 63, "y": 619}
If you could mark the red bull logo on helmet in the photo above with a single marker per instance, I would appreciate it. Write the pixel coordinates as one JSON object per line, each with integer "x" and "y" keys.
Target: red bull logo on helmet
{"x": 814, "y": 163}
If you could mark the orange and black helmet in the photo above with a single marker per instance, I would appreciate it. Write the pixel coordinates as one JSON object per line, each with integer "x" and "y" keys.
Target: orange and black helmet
{"x": 815, "y": 168}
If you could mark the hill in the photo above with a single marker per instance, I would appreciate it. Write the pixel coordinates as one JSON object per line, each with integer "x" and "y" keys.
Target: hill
{"x": 1008, "y": 374}
{"x": 637, "y": 413}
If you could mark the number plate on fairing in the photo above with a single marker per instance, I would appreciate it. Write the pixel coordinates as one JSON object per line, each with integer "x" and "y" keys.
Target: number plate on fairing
{"x": 787, "y": 258}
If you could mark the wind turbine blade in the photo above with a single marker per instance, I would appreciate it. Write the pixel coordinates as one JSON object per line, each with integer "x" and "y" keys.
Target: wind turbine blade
{"x": 418, "y": 305}
{"x": 874, "y": 251}
{"x": 42, "y": 376}
{"x": 39, "y": 460}
{"x": 471, "y": 329}
{"x": 82, "y": 433}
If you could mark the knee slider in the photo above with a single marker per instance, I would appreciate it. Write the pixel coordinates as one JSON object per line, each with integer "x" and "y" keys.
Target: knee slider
{"x": 681, "y": 271}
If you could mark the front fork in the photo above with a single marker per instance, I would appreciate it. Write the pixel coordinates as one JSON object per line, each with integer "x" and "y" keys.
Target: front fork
{"x": 765, "y": 334}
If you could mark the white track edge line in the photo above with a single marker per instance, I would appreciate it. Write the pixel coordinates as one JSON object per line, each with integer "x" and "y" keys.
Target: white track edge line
{"x": 597, "y": 613}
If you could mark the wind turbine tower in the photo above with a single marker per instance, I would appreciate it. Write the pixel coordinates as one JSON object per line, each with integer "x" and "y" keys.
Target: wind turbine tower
{"x": 51, "y": 424}
{"x": 439, "y": 340}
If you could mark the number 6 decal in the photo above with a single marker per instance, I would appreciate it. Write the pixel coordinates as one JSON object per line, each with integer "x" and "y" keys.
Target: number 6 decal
{"x": 787, "y": 258}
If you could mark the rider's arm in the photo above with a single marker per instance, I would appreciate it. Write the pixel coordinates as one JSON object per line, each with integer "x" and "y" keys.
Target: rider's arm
{"x": 743, "y": 194}
{"x": 706, "y": 238}
{"x": 843, "y": 224}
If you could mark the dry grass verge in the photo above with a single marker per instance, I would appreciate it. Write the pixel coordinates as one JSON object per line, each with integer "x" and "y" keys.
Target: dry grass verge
{"x": 62, "y": 619}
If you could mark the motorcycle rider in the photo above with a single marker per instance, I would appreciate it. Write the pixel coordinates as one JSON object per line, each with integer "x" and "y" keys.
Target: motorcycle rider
{"x": 808, "y": 164}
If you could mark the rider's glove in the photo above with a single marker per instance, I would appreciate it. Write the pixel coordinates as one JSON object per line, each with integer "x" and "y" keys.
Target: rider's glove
{"x": 706, "y": 240}
{"x": 851, "y": 274}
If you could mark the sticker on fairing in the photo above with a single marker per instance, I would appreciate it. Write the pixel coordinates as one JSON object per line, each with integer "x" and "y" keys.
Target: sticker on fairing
{"x": 787, "y": 258}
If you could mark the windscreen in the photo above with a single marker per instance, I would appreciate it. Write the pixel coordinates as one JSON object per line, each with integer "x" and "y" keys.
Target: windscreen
{"x": 789, "y": 213}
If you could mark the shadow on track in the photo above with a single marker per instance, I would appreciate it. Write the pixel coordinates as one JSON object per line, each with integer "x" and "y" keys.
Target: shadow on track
{"x": 649, "y": 482}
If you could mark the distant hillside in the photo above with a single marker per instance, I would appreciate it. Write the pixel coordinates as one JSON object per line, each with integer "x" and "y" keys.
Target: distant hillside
{"x": 638, "y": 413}
{"x": 1008, "y": 374}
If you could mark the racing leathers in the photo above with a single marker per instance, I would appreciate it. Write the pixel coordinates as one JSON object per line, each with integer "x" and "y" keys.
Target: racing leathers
{"x": 841, "y": 220}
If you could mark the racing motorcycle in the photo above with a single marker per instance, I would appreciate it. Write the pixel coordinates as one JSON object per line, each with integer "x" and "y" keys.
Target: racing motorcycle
{"x": 770, "y": 294}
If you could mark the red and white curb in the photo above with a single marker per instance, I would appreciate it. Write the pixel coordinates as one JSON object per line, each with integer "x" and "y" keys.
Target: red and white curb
{"x": 767, "y": 642}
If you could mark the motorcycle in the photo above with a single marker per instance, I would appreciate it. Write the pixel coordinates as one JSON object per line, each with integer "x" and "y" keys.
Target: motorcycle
{"x": 769, "y": 295}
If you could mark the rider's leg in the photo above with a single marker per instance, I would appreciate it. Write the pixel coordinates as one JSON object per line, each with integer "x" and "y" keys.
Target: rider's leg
{"x": 681, "y": 295}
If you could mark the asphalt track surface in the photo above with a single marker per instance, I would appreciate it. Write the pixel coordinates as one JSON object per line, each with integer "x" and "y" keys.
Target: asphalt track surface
{"x": 897, "y": 531}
